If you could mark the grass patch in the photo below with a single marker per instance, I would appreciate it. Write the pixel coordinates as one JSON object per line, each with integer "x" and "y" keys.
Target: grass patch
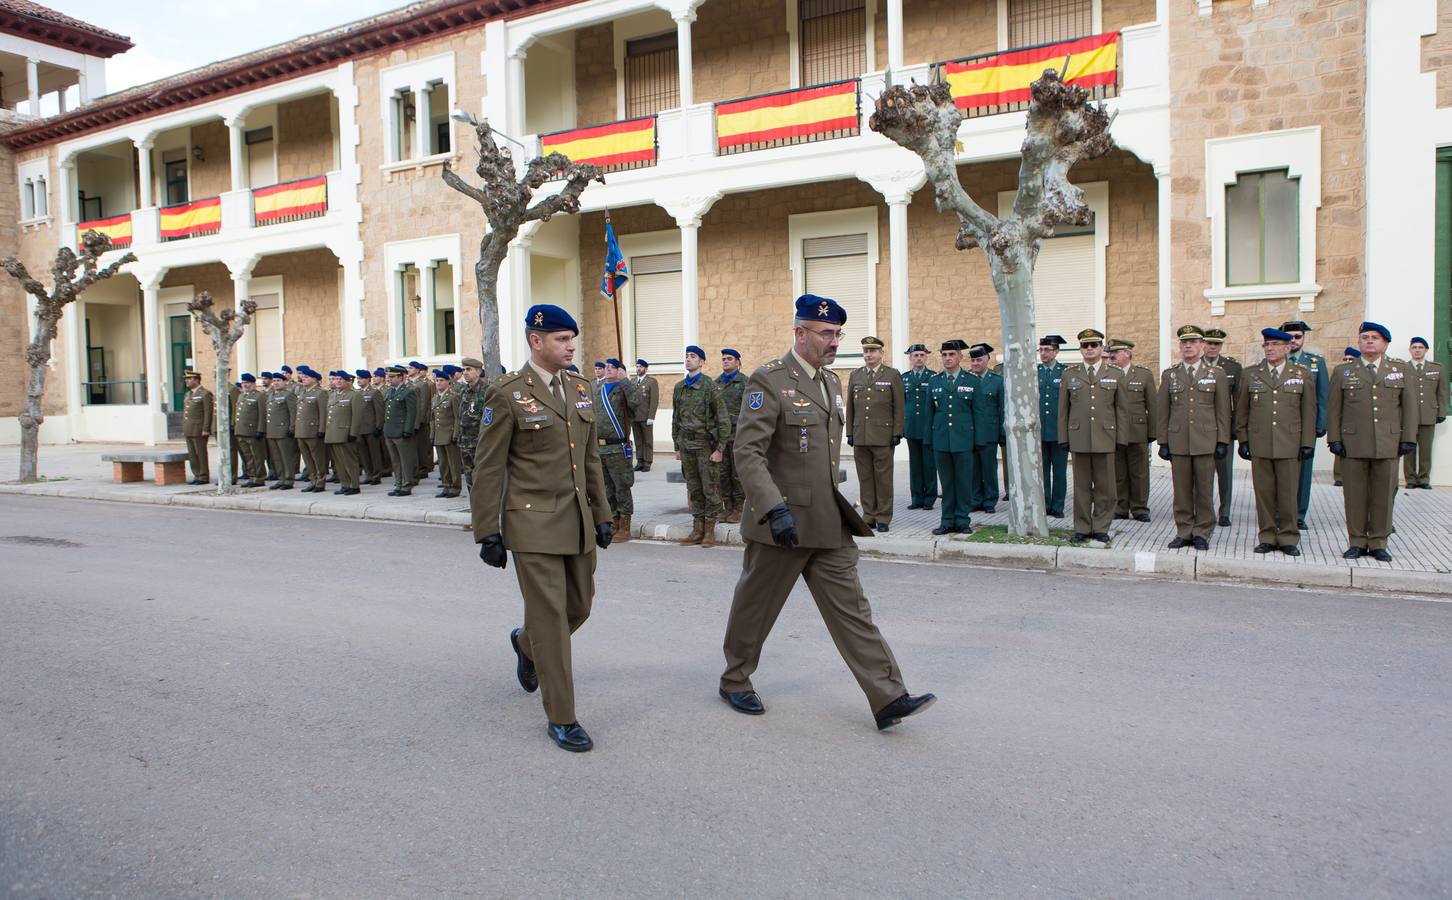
{"x": 998, "y": 534}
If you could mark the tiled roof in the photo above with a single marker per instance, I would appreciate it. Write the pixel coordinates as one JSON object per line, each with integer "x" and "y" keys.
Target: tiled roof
{"x": 31, "y": 20}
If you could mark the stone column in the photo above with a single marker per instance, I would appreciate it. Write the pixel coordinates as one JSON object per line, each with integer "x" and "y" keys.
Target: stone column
{"x": 690, "y": 284}
{"x": 1163, "y": 209}
{"x": 237, "y": 147}
{"x": 684, "y": 62}
{"x": 516, "y": 93}
{"x": 241, "y": 272}
{"x": 143, "y": 159}
{"x": 32, "y": 83}
{"x": 894, "y": 35}
{"x": 65, "y": 185}
{"x": 897, "y": 247}
{"x": 152, "y": 339}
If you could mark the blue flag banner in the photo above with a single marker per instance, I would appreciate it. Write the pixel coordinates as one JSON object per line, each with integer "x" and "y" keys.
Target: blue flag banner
{"x": 615, "y": 272}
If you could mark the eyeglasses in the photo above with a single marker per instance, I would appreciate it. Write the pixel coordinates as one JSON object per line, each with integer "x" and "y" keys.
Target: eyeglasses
{"x": 1085, "y": 345}
{"x": 828, "y": 334}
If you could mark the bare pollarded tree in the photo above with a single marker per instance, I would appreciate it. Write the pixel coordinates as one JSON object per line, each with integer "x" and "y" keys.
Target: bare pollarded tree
{"x": 72, "y": 273}
{"x": 225, "y": 329}
{"x": 1063, "y": 128}
{"x": 505, "y": 199}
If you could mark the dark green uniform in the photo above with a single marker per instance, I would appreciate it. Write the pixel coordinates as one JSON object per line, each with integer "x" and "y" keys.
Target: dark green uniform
{"x": 1225, "y": 468}
{"x": 951, "y": 395}
{"x": 1055, "y": 455}
{"x": 732, "y": 388}
{"x": 616, "y": 406}
{"x": 443, "y": 420}
{"x": 917, "y": 426}
{"x": 1322, "y": 375}
{"x": 988, "y": 397}
{"x": 699, "y": 428}
{"x": 400, "y": 418}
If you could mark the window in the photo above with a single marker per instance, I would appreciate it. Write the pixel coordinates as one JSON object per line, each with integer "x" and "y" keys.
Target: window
{"x": 655, "y": 289}
{"x": 423, "y": 297}
{"x": 1261, "y": 209}
{"x": 443, "y": 300}
{"x": 652, "y": 79}
{"x": 405, "y": 124}
{"x": 838, "y": 267}
{"x": 833, "y": 40}
{"x": 261, "y": 158}
{"x": 1033, "y": 22}
{"x": 411, "y": 295}
{"x": 417, "y": 99}
{"x": 438, "y": 106}
{"x": 174, "y": 169}
{"x": 34, "y": 189}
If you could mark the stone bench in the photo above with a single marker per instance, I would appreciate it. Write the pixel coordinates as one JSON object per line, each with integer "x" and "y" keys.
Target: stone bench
{"x": 171, "y": 465}
{"x": 676, "y": 476}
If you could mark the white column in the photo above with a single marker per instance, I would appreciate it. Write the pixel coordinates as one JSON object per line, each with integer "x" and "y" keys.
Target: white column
{"x": 75, "y": 366}
{"x": 1167, "y": 352}
{"x": 427, "y": 343}
{"x": 32, "y": 83}
{"x": 683, "y": 56}
{"x": 897, "y": 247}
{"x": 64, "y": 191}
{"x": 690, "y": 284}
{"x": 143, "y": 158}
{"x": 151, "y": 341}
{"x": 894, "y": 35}
{"x": 247, "y": 347}
{"x": 421, "y": 120}
{"x": 85, "y": 93}
{"x": 237, "y": 147}
{"x": 516, "y": 93}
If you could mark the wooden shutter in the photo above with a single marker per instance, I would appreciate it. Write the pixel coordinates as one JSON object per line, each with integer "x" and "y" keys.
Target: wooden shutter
{"x": 652, "y": 79}
{"x": 833, "y": 39}
{"x": 1033, "y": 22}
{"x": 837, "y": 267}
{"x": 1064, "y": 301}
{"x": 655, "y": 286}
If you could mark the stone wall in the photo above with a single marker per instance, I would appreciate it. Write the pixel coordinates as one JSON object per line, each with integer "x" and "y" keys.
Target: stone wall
{"x": 14, "y": 327}
{"x": 741, "y": 49}
{"x": 595, "y": 99}
{"x": 36, "y": 246}
{"x": 305, "y": 137}
{"x": 1437, "y": 53}
{"x": 212, "y": 174}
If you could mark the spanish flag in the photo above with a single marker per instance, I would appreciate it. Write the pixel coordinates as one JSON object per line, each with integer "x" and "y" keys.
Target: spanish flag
{"x": 618, "y": 143}
{"x": 200, "y": 217}
{"x": 117, "y": 228}
{"x": 304, "y": 197}
{"x": 1006, "y": 77}
{"x": 787, "y": 114}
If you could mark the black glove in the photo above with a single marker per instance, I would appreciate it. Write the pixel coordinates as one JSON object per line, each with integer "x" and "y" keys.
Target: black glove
{"x": 378, "y": 432}
{"x": 1164, "y": 451}
{"x": 1406, "y": 447}
{"x": 1221, "y": 450}
{"x": 1441, "y": 419}
{"x": 896, "y": 439}
{"x": 1244, "y": 450}
{"x": 1337, "y": 448}
{"x": 849, "y": 441}
{"x": 322, "y": 434}
{"x": 783, "y": 526}
{"x": 289, "y": 432}
{"x": 491, "y": 550}
{"x": 602, "y": 535}
{"x": 1320, "y": 432}
{"x": 1305, "y": 453}
{"x": 257, "y": 436}
{"x": 352, "y": 438}
{"x": 1064, "y": 445}
{"x": 408, "y": 434}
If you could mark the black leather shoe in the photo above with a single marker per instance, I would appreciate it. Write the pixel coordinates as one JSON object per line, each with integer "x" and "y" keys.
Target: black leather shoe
{"x": 901, "y": 708}
{"x": 963, "y": 529}
{"x": 394, "y": 493}
{"x": 943, "y": 529}
{"x": 1381, "y": 555}
{"x": 1290, "y": 550}
{"x": 1101, "y": 536}
{"x": 743, "y": 701}
{"x": 283, "y": 487}
{"x": 440, "y": 493}
{"x": 882, "y": 527}
{"x": 1263, "y": 547}
{"x": 1177, "y": 542}
{"x": 524, "y": 667}
{"x": 1078, "y": 538}
{"x": 406, "y": 492}
{"x": 1121, "y": 515}
{"x": 342, "y": 490}
{"x": 1056, "y": 513}
{"x": 1200, "y": 543}
{"x": 1334, "y": 483}
{"x": 1141, "y": 517}
{"x": 348, "y": 492}
{"x": 570, "y": 737}
{"x": 987, "y": 509}
{"x": 332, "y": 479}
{"x": 1301, "y": 524}
{"x": 1353, "y": 553}
{"x": 273, "y": 487}
{"x": 1224, "y": 521}
{"x": 915, "y": 505}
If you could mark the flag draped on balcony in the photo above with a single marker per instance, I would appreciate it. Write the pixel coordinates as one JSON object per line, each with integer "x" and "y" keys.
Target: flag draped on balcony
{"x": 293, "y": 199}
{"x": 117, "y": 228}
{"x": 615, "y": 272}
{"x": 616, "y": 144}
{"x": 1006, "y": 77}
{"x": 787, "y": 114}
{"x": 198, "y": 217}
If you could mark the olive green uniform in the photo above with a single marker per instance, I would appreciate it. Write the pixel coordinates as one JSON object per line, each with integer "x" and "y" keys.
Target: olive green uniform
{"x": 1131, "y": 454}
{"x": 423, "y": 445}
{"x": 732, "y": 389}
{"x": 400, "y": 418}
{"x": 312, "y": 420}
{"x": 443, "y": 422}
{"x": 1322, "y": 372}
{"x": 281, "y": 431}
{"x": 876, "y": 407}
{"x": 1276, "y": 417}
{"x": 1225, "y": 468}
{"x": 372, "y": 452}
{"x": 249, "y": 432}
{"x": 1370, "y": 414}
{"x": 1192, "y": 416}
{"x": 699, "y": 428}
{"x": 1429, "y": 388}
{"x": 198, "y": 412}
{"x": 615, "y": 410}
{"x": 1091, "y": 406}
{"x": 917, "y": 428}
{"x": 643, "y": 427}
{"x": 340, "y": 434}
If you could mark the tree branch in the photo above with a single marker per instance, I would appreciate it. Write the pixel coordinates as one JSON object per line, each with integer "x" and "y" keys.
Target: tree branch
{"x": 1063, "y": 129}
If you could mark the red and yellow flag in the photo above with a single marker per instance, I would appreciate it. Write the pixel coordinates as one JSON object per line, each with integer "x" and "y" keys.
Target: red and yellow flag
{"x": 1006, "y": 77}
{"x": 199, "y": 217}
{"x": 304, "y": 197}
{"x": 619, "y": 143}
{"x": 117, "y": 228}
{"x": 787, "y": 114}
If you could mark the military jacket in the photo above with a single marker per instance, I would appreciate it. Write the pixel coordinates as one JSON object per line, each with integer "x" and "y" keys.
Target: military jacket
{"x": 1371, "y": 416}
{"x": 614, "y": 411}
{"x": 198, "y": 411}
{"x": 1050, "y": 377}
{"x": 988, "y": 397}
{"x": 345, "y": 416}
{"x": 1193, "y": 414}
{"x": 281, "y": 413}
{"x": 788, "y": 448}
{"x": 471, "y": 407}
{"x": 1233, "y": 369}
{"x": 423, "y": 390}
{"x": 249, "y": 413}
{"x": 372, "y": 412}
{"x": 312, "y": 412}
{"x": 1322, "y": 373}
{"x": 1140, "y": 399}
{"x": 875, "y": 403}
{"x": 698, "y": 417}
{"x": 400, "y": 411}
{"x": 1276, "y": 416}
{"x": 1091, "y": 406}
{"x": 650, "y": 390}
{"x": 917, "y": 420}
{"x": 732, "y": 390}
{"x": 443, "y": 416}
{"x": 537, "y": 472}
{"x": 951, "y": 394}
{"x": 1430, "y": 390}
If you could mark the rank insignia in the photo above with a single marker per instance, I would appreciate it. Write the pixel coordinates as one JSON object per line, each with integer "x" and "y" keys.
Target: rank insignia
{"x": 488, "y": 416}
{"x": 823, "y": 311}
{"x": 580, "y": 389}
{"x": 755, "y": 399}
{"x": 538, "y": 319}
{"x": 516, "y": 395}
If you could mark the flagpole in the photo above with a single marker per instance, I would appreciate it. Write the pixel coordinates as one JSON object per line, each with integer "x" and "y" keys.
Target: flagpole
{"x": 615, "y": 304}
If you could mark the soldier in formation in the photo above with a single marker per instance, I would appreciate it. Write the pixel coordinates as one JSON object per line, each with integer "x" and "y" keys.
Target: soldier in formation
{"x": 1136, "y": 431}
{"x": 643, "y": 430}
{"x": 731, "y": 384}
{"x": 1193, "y": 430}
{"x": 371, "y": 451}
{"x": 343, "y": 429}
{"x": 617, "y": 403}
{"x": 874, "y": 429}
{"x": 1055, "y": 461}
{"x": 443, "y": 425}
{"x": 473, "y": 391}
{"x": 951, "y": 397}
{"x": 988, "y": 433}
{"x": 917, "y": 428}
{"x": 1350, "y": 354}
{"x": 249, "y": 428}
{"x": 1429, "y": 388}
{"x": 400, "y": 419}
{"x": 311, "y": 426}
{"x": 1224, "y": 466}
{"x": 282, "y": 433}
{"x": 1322, "y": 373}
{"x": 698, "y": 430}
{"x": 198, "y": 412}
{"x": 1091, "y": 406}
{"x": 1276, "y": 428}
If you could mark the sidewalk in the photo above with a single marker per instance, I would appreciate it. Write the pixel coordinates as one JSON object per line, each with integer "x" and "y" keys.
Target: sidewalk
{"x": 1422, "y": 547}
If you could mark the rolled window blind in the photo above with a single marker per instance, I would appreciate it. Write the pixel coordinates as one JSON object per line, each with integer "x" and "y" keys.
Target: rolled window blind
{"x": 655, "y": 284}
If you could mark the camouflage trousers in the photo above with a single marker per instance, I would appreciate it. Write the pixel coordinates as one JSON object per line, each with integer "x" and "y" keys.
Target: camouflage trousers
{"x": 703, "y": 482}
{"x": 619, "y": 478}
{"x": 466, "y": 457}
{"x": 731, "y": 488}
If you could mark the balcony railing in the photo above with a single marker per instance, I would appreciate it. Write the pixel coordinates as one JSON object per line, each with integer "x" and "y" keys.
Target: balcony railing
{"x": 291, "y": 201}
{"x": 192, "y": 219}
{"x": 614, "y": 147}
{"x": 117, "y": 228}
{"x": 799, "y": 116}
{"x": 100, "y": 393}
{"x": 993, "y": 83}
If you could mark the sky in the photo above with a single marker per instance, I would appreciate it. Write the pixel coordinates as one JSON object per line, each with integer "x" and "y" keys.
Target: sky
{"x": 172, "y": 37}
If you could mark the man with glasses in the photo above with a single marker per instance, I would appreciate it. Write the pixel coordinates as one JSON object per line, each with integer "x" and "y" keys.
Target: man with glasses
{"x": 1193, "y": 429}
{"x": 1276, "y": 429}
{"x": 1091, "y": 406}
{"x": 1322, "y": 374}
{"x": 791, "y": 427}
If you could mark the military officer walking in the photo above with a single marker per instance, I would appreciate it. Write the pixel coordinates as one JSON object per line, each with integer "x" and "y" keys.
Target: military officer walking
{"x": 198, "y": 412}
{"x": 539, "y": 492}
{"x": 312, "y": 419}
{"x": 472, "y": 393}
{"x": 643, "y": 429}
{"x": 792, "y": 423}
{"x": 988, "y": 430}
{"x": 951, "y": 397}
{"x": 1371, "y": 419}
{"x": 732, "y": 384}
{"x": 1276, "y": 430}
{"x": 249, "y": 424}
{"x": 698, "y": 431}
{"x": 617, "y": 404}
{"x": 400, "y": 415}
{"x": 1091, "y": 406}
{"x": 875, "y": 399}
{"x": 1131, "y": 455}
{"x": 343, "y": 429}
{"x": 1322, "y": 373}
{"x": 443, "y": 424}
{"x": 1224, "y": 467}
{"x": 1193, "y": 429}
{"x": 1429, "y": 388}
{"x": 281, "y": 434}
{"x": 917, "y": 427}
{"x": 1055, "y": 454}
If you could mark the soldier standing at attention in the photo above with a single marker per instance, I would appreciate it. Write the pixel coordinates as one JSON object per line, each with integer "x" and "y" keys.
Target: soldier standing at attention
{"x": 791, "y": 428}
{"x": 371, "y": 402}
{"x": 443, "y": 423}
{"x": 1322, "y": 373}
{"x": 917, "y": 427}
{"x": 379, "y": 383}
{"x": 617, "y": 403}
{"x": 732, "y": 384}
{"x": 198, "y": 411}
{"x": 249, "y": 424}
{"x": 1276, "y": 429}
{"x": 423, "y": 445}
{"x": 1193, "y": 429}
{"x": 344, "y": 427}
{"x": 698, "y": 430}
{"x": 265, "y": 381}
{"x": 281, "y": 433}
{"x": 312, "y": 419}
{"x": 473, "y": 391}
{"x": 644, "y": 428}
{"x": 539, "y": 491}
{"x": 1055, "y": 455}
{"x": 1224, "y": 468}
{"x": 1131, "y": 455}
{"x": 874, "y": 429}
{"x": 987, "y": 428}
{"x": 1371, "y": 419}
{"x": 1091, "y": 406}
{"x": 400, "y": 413}
{"x": 1429, "y": 384}
{"x": 1350, "y": 354}
{"x": 952, "y": 415}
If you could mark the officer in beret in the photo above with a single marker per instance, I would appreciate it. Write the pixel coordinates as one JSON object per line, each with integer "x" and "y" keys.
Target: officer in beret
{"x": 249, "y": 423}
{"x": 1276, "y": 429}
{"x": 617, "y": 404}
{"x": 198, "y": 412}
{"x": 917, "y": 427}
{"x": 1322, "y": 373}
{"x": 312, "y": 423}
{"x": 988, "y": 432}
{"x": 379, "y": 383}
{"x": 1193, "y": 430}
{"x": 282, "y": 432}
{"x": 1429, "y": 386}
{"x": 344, "y": 428}
{"x": 732, "y": 385}
{"x": 1350, "y": 354}
{"x": 400, "y": 415}
{"x": 698, "y": 430}
{"x": 1131, "y": 455}
{"x": 875, "y": 401}
{"x": 1224, "y": 468}
{"x": 371, "y": 450}
{"x": 443, "y": 427}
{"x": 423, "y": 446}
{"x": 472, "y": 392}
{"x": 792, "y": 422}
{"x": 643, "y": 430}
{"x": 951, "y": 397}
{"x": 1091, "y": 406}
{"x": 539, "y": 492}
{"x": 599, "y": 372}
{"x": 1371, "y": 419}
{"x": 1055, "y": 454}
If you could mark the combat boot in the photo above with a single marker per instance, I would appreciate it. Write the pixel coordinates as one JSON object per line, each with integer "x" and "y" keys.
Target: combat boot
{"x": 614, "y": 528}
{"x": 622, "y": 532}
{"x": 732, "y": 512}
{"x": 708, "y": 533}
{"x": 697, "y": 531}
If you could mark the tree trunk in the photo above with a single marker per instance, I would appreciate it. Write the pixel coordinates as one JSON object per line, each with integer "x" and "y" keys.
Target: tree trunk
{"x": 32, "y": 417}
{"x": 1013, "y": 279}
{"x": 227, "y": 483}
{"x": 486, "y": 275}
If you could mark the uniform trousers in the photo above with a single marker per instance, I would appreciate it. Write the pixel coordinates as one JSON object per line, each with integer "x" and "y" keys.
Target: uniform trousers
{"x": 344, "y": 458}
{"x": 1368, "y": 494}
{"x": 922, "y": 473}
{"x": 423, "y": 454}
{"x": 1056, "y": 475}
{"x": 874, "y": 479}
{"x": 985, "y": 477}
{"x": 466, "y": 466}
{"x": 401, "y": 454}
{"x": 234, "y": 456}
{"x": 451, "y": 467}
{"x": 1336, "y": 470}
{"x": 254, "y": 456}
{"x": 619, "y": 478}
{"x": 1303, "y": 493}
{"x": 1277, "y": 482}
{"x": 315, "y": 457}
{"x": 644, "y": 439}
{"x": 197, "y": 456}
{"x": 373, "y": 456}
{"x": 1418, "y": 464}
{"x": 955, "y": 471}
{"x": 283, "y": 453}
{"x": 730, "y": 489}
{"x": 1131, "y": 478}
{"x": 1225, "y": 479}
{"x": 1194, "y": 483}
{"x": 558, "y": 591}
{"x": 768, "y": 574}
{"x": 1093, "y": 492}
{"x": 703, "y": 482}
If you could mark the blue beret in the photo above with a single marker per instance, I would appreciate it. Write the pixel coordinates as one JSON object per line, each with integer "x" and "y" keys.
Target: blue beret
{"x": 1373, "y": 326}
{"x": 727, "y": 351}
{"x": 415, "y": 364}
{"x": 307, "y": 370}
{"x": 820, "y": 309}
{"x": 612, "y": 361}
{"x": 248, "y": 376}
{"x": 546, "y": 317}
{"x": 440, "y": 373}
{"x": 692, "y": 348}
{"x": 264, "y": 374}
{"x": 1419, "y": 340}
{"x": 599, "y": 363}
{"x": 1353, "y": 352}
{"x": 450, "y": 369}
{"x": 641, "y": 362}
{"x": 287, "y": 369}
{"x": 380, "y": 371}
{"x": 364, "y": 373}
{"x": 1275, "y": 334}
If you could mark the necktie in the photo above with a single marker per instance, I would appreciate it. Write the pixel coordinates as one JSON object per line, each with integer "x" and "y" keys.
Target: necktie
{"x": 822, "y": 384}
{"x": 559, "y": 390}
{"x": 1372, "y": 369}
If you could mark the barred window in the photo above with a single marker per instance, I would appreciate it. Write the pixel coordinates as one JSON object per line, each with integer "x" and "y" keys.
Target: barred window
{"x": 833, "y": 39}
{"x": 1032, "y": 22}
{"x": 652, "y": 76}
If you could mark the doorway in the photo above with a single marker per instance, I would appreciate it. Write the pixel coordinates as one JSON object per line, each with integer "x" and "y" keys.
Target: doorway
{"x": 179, "y": 336}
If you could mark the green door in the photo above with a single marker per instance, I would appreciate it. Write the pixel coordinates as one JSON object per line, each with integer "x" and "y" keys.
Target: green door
{"x": 179, "y": 329}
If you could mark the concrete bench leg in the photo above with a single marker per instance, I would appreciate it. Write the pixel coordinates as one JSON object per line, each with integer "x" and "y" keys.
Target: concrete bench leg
{"x": 171, "y": 473}
{"x": 125, "y": 472}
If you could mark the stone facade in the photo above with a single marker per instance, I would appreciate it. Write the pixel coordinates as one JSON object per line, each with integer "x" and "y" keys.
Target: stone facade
{"x": 305, "y": 137}
{"x": 1437, "y": 53}
{"x": 14, "y": 330}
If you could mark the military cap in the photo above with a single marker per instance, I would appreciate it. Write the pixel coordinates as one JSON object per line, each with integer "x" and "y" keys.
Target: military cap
{"x": 248, "y": 376}
{"x": 1052, "y": 340}
{"x": 820, "y": 309}
{"x": 363, "y": 373}
{"x": 397, "y": 370}
{"x": 548, "y": 317}
{"x": 1120, "y": 344}
{"x": 871, "y": 343}
{"x": 1091, "y": 334}
{"x": 264, "y": 374}
{"x": 309, "y": 371}
{"x": 953, "y": 344}
{"x": 1419, "y": 340}
{"x": 449, "y": 368}
{"x": 727, "y": 351}
{"x": 1190, "y": 333}
{"x": 1352, "y": 352}
{"x": 916, "y": 347}
{"x": 192, "y": 374}
{"x": 1374, "y": 326}
{"x": 470, "y": 362}
{"x": 692, "y": 348}
{"x": 612, "y": 361}
{"x": 1275, "y": 334}
{"x": 380, "y": 371}
{"x": 641, "y": 362}
{"x": 1215, "y": 336}
{"x": 287, "y": 369}
{"x": 1295, "y": 325}
{"x": 978, "y": 351}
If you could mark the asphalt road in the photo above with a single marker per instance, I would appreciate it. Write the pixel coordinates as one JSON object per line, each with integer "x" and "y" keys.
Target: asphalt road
{"x": 199, "y": 703}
